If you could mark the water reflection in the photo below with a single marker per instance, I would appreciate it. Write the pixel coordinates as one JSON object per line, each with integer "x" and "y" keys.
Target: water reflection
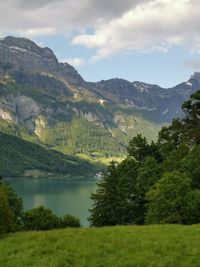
{"x": 60, "y": 196}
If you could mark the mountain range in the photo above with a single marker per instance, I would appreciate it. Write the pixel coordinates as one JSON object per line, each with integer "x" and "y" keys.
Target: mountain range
{"x": 49, "y": 103}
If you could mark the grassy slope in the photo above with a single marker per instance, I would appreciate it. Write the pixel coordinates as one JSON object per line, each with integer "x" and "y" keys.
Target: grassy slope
{"x": 98, "y": 159}
{"x": 71, "y": 135}
{"x": 18, "y": 156}
{"x": 168, "y": 245}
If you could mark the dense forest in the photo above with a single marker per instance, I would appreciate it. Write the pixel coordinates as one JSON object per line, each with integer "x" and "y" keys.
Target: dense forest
{"x": 76, "y": 126}
{"x": 22, "y": 158}
{"x": 157, "y": 182}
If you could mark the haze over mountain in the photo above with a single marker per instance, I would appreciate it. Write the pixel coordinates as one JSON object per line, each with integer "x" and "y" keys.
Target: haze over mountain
{"x": 49, "y": 102}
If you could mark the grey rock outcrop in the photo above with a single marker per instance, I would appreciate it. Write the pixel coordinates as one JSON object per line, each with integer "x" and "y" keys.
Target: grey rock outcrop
{"x": 56, "y": 90}
{"x": 25, "y": 54}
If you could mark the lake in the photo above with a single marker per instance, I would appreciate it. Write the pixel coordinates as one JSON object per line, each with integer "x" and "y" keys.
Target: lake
{"x": 61, "y": 196}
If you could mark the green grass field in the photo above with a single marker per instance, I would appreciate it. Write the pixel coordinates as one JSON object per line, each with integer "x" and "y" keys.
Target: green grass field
{"x": 99, "y": 159}
{"x": 168, "y": 245}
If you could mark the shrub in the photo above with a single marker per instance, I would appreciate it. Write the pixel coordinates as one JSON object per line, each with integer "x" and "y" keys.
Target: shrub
{"x": 15, "y": 203}
{"x": 40, "y": 219}
{"x": 166, "y": 198}
{"x": 69, "y": 221}
{"x": 191, "y": 210}
{"x": 7, "y": 218}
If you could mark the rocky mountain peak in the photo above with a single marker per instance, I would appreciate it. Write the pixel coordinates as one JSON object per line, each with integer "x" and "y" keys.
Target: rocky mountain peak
{"x": 196, "y": 76}
{"x": 26, "y": 63}
{"x": 26, "y": 45}
{"x": 23, "y": 53}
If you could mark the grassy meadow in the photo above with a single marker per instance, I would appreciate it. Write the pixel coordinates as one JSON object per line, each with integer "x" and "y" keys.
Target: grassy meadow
{"x": 126, "y": 246}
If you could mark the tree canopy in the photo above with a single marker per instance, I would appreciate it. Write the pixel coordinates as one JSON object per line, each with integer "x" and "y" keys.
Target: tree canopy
{"x": 158, "y": 182}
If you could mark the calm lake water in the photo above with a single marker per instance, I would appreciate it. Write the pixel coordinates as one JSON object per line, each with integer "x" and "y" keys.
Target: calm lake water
{"x": 61, "y": 196}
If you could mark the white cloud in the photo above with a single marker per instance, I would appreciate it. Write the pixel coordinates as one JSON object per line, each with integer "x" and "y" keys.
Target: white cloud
{"x": 38, "y": 32}
{"x": 118, "y": 26}
{"x": 76, "y": 62}
{"x": 60, "y": 15}
{"x": 157, "y": 24}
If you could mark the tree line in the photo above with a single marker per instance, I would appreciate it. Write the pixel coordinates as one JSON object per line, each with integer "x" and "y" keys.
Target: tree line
{"x": 157, "y": 182}
{"x": 13, "y": 218}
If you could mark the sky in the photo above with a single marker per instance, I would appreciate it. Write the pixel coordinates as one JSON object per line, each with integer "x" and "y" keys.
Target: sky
{"x": 154, "y": 41}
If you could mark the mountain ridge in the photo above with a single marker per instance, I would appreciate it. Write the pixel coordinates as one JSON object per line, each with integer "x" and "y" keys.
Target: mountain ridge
{"x": 56, "y": 106}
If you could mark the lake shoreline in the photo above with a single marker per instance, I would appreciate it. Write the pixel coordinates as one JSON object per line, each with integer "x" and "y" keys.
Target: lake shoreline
{"x": 62, "y": 196}
{"x": 67, "y": 179}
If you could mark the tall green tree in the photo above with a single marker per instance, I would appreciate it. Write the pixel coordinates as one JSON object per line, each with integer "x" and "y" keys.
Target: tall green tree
{"x": 15, "y": 203}
{"x": 174, "y": 160}
{"x": 140, "y": 149}
{"x": 170, "y": 137}
{"x": 126, "y": 210}
{"x": 191, "y": 165}
{"x": 7, "y": 217}
{"x": 115, "y": 200}
{"x": 105, "y": 199}
{"x": 191, "y": 208}
{"x": 192, "y": 118}
{"x": 157, "y": 182}
{"x": 148, "y": 174}
{"x": 166, "y": 198}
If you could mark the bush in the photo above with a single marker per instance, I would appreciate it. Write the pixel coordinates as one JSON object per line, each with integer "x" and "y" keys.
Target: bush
{"x": 15, "y": 204}
{"x": 43, "y": 219}
{"x": 40, "y": 219}
{"x": 166, "y": 198}
{"x": 69, "y": 221}
{"x": 7, "y": 218}
{"x": 13, "y": 218}
{"x": 191, "y": 210}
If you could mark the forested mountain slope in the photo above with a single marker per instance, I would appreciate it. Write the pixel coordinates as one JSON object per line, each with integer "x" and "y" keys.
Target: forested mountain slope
{"x": 49, "y": 102}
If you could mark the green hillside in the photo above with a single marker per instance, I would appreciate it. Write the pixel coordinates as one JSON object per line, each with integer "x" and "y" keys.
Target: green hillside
{"x": 127, "y": 246}
{"x": 52, "y": 104}
{"x": 22, "y": 158}
{"x": 73, "y": 126}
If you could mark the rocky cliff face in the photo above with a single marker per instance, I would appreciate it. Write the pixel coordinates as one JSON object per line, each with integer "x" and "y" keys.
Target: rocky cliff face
{"x": 165, "y": 104}
{"x": 24, "y": 54}
{"x": 29, "y": 64}
{"x": 52, "y": 101}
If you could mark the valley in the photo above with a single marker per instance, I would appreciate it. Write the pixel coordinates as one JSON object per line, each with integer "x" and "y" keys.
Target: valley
{"x": 49, "y": 104}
